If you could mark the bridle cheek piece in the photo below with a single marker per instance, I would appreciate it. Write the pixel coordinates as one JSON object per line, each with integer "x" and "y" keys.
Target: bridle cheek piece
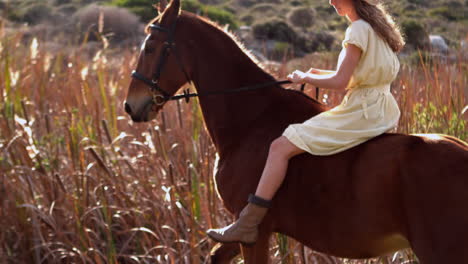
{"x": 160, "y": 96}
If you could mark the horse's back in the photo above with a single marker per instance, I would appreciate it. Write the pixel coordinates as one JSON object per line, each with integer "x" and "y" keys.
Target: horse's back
{"x": 434, "y": 183}
{"x": 370, "y": 192}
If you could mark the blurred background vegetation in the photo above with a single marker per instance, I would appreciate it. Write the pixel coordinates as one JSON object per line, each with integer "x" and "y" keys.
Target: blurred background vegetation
{"x": 81, "y": 183}
{"x": 306, "y": 25}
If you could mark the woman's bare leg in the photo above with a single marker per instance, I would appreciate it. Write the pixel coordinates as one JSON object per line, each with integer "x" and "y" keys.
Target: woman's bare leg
{"x": 281, "y": 150}
{"x": 245, "y": 229}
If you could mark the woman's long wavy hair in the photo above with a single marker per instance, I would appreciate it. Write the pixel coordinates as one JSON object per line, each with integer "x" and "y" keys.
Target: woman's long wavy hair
{"x": 378, "y": 17}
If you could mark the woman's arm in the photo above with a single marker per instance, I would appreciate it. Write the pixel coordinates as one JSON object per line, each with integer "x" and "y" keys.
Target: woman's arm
{"x": 337, "y": 80}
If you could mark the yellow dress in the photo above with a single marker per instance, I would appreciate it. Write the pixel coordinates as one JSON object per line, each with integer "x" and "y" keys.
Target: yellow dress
{"x": 368, "y": 108}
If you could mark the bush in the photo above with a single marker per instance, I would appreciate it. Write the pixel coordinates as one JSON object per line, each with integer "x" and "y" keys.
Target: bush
{"x": 453, "y": 11}
{"x": 119, "y": 23}
{"x": 325, "y": 40}
{"x": 275, "y": 30}
{"x": 415, "y": 34}
{"x": 34, "y": 14}
{"x": 143, "y": 9}
{"x": 296, "y": 3}
{"x": 302, "y": 17}
{"x": 221, "y": 16}
{"x": 280, "y": 50}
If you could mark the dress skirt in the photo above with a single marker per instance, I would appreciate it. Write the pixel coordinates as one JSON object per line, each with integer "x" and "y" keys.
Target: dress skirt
{"x": 363, "y": 114}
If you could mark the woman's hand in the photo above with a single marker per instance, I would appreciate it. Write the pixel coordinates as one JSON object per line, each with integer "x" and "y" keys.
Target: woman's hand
{"x": 297, "y": 76}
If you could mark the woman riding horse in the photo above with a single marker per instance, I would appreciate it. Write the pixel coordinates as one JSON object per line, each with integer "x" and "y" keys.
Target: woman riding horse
{"x": 391, "y": 192}
{"x": 366, "y": 67}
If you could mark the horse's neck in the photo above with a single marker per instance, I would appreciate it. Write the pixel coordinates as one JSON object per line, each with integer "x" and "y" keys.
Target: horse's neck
{"x": 221, "y": 65}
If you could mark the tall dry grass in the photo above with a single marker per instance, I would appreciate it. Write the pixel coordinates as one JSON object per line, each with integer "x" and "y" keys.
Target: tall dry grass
{"x": 80, "y": 183}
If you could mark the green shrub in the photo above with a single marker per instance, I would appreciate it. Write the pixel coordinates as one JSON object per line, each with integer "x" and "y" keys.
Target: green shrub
{"x": 221, "y": 16}
{"x": 144, "y": 9}
{"x": 451, "y": 12}
{"x": 34, "y": 13}
{"x": 303, "y": 17}
{"x": 274, "y": 30}
{"x": 280, "y": 50}
{"x": 415, "y": 34}
{"x": 295, "y": 3}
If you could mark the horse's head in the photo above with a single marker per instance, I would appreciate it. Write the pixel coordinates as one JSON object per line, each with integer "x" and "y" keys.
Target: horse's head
{"x": 159, "y": 72}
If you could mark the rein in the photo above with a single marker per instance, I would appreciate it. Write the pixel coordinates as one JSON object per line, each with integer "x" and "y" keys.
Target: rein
{"x": 160, "y": 96}
{"x": 186, "y": 95}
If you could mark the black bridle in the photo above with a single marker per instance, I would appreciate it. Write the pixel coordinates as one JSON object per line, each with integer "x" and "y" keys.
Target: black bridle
{"x": 160, "y": 96}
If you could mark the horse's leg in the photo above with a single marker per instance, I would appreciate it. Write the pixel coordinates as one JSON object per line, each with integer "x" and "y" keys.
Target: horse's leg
{"x": 258, "y": 253}
{"x": 224, "y": 253}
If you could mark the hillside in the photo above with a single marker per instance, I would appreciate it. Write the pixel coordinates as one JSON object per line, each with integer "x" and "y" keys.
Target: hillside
{"x": 301, "y": 25}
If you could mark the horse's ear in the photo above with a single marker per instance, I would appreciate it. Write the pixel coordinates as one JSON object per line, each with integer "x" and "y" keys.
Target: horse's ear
{"x": 161, "y": 6}
{"x": 173, "y": 10}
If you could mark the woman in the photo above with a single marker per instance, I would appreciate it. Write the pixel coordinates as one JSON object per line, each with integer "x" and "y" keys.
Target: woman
{"x": 366, "y": 67}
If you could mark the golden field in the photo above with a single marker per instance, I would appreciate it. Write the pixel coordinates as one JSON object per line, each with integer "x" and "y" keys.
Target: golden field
{"x": 81, "y": 183}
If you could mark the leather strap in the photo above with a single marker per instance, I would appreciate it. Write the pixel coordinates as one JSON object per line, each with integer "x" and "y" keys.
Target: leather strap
{"x": 259, "y": 201}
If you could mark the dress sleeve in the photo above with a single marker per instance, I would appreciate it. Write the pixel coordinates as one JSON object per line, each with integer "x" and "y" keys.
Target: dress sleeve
{"x": 357, "y": 34}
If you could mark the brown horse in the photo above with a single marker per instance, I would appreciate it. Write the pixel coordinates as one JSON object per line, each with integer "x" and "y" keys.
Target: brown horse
{"x": 392, "y": 192}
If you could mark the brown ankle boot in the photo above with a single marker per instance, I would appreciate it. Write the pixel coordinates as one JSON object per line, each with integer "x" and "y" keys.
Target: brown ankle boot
{"x": 245, "y": 229}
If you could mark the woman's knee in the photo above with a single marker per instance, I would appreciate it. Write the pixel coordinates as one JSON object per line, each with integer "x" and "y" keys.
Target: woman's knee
{"x": 282, "y": 147}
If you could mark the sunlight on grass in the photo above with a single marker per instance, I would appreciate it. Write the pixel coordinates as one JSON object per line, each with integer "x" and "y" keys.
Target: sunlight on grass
{"x": 81, "y": 183}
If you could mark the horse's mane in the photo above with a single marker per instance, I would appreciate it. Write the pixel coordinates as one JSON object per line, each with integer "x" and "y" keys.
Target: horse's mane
{"x": 225, "y": 30}
{"x": 227, "y": 33}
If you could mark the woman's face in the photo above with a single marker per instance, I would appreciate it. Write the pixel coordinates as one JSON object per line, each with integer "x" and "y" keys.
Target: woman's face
{"x": 343, "y": 7}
